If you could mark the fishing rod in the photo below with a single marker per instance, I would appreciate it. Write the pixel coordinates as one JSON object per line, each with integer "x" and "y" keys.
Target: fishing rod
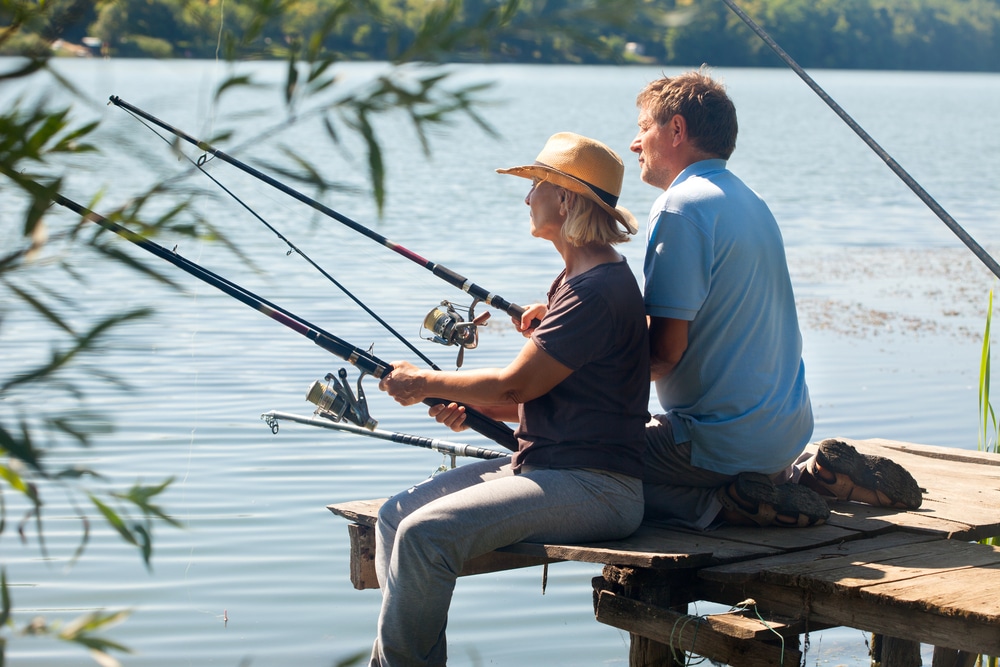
{"x": 337, "y": 397}
{"x": 292, "y": 248}
{"x": 447, "y": 326}
{"x": 323, "y": 421}
{"x": 970, "y": 242}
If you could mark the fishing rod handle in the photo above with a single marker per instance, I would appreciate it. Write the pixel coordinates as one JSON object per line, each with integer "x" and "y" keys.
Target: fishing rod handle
{"x": 495, "y": 430}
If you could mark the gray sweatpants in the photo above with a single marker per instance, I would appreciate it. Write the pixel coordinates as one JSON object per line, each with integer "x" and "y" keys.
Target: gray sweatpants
{"x": 424, "y": 536}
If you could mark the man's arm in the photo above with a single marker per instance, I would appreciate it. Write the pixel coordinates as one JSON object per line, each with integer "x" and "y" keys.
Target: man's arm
{"x": 668, "y": 338}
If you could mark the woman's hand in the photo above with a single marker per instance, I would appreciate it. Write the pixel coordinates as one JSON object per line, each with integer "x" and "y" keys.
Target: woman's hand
{"x": 530, "y": 318}
{"x": 451, "y": 415}
{"x": 406, "y": 383}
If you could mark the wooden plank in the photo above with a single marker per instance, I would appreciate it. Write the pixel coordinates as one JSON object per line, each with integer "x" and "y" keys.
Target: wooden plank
{"x": 745, "y": 625}
{"x": 942, "y": 592}
{"x": 744, "y": 541}
{"x": 972, "y": 593}
{"x": 874, "y": 521}
{"x": 745, "y": 570}
{"x": 648, "y": 547}
{"x": 500, "y": 562}
{"x": 848, "y": 574}
{"x": 364, "y": 512}
{"x": 962, "y": 488}
{"x": 860, "y": 613}
{"x": 663, "y": 548}
{"x": 701, "y": 636}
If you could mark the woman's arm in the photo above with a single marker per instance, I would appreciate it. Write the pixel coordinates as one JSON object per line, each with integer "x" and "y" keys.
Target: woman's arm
{"x": 532, "y": 374}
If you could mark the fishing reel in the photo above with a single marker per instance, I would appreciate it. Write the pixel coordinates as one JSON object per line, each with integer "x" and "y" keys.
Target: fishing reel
{"x": 449, "y": 328}
{"x": 336, "y": 402}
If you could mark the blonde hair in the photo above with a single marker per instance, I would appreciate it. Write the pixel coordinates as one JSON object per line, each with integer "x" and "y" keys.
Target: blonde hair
{"x": 587, "y": 223}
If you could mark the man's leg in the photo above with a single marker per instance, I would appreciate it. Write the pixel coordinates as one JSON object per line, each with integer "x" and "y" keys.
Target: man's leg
{"x": 676, "y": 492}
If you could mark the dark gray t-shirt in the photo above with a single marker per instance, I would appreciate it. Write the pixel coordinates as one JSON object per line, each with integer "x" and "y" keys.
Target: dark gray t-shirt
{"x": 596, "y": 417}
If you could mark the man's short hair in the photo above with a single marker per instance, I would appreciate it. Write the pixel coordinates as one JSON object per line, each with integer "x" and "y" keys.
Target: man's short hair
{"x": 702, "y": 102}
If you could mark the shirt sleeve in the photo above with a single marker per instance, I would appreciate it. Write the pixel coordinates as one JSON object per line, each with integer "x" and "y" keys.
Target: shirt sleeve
{"x": 575, "y": 329}
{"x": 678, "y": 267}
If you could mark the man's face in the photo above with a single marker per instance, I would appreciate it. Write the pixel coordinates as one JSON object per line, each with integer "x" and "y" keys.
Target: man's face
{"x": 654, "y": 145}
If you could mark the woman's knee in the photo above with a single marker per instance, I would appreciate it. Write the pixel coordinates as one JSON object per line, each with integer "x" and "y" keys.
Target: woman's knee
{"x": 430, "y": 539}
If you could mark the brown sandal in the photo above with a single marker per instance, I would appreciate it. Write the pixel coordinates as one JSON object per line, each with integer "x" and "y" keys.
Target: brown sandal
{"x": 841, "y": 471}
{"x": 756, "y": 499}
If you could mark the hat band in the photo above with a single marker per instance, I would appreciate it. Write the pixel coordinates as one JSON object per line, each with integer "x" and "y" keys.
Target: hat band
{"x": 605, "y": 196}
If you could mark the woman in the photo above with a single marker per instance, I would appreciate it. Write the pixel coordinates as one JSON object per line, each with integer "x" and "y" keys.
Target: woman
{"x": 579, "y": 391}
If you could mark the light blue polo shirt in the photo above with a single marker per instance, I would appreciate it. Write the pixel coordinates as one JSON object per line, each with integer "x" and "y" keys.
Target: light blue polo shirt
{"x": 715, "y": 257}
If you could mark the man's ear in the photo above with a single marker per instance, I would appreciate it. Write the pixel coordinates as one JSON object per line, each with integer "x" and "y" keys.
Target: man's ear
{"x": 678, "y": 129}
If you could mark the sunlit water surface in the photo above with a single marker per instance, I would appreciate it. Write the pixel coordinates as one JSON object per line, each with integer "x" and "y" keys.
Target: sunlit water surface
{"x": 892, "y": 308}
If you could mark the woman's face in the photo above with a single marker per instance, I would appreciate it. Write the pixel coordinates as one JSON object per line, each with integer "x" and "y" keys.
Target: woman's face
{"x": 547, "y": 211}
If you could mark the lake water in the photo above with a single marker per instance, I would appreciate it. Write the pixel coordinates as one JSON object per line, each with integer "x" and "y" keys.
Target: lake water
{"x": 892, "y": 308}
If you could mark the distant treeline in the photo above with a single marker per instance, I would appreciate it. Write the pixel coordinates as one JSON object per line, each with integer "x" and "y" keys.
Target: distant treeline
{"x": 852, "y": 34}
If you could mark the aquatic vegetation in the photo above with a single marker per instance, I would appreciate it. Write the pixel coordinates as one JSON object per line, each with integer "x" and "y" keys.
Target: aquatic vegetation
{"x": 987, "y": 417}
{"x": 987, "y": 427}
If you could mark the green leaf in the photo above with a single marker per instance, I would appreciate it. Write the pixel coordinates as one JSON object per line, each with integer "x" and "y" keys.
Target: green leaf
{"x": 114, "y": 520}
{"x": 141, "y": 496}
{"x": 13, "y": 479}
{"x": 5, "y": 604}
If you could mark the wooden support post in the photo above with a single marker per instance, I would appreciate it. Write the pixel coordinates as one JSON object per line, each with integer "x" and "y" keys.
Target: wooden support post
{"x": 893, "y": 652}
{"x": 652, "y": 588}
{"x": 949, "y": 657}
{"x": 362, "y": 556}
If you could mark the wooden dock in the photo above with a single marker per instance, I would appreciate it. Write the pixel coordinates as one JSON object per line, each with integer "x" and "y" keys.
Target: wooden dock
{"x": 908, "y": 577}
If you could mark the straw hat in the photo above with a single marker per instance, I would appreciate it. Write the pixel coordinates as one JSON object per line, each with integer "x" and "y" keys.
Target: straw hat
{"x": 584, "y": 166}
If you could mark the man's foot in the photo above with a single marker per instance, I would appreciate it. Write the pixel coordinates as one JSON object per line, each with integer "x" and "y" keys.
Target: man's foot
{"x": 752, "y": 499}
{"x": 839, "y": 470}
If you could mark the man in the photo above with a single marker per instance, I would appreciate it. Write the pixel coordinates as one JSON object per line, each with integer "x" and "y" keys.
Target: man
{"x": 726, "y": 351}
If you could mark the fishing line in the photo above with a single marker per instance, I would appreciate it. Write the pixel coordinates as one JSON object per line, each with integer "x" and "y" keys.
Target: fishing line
{"x": 205, "y": 158}
{"x": 337, "y": 397}
{"x": 971, "y": 243}
{"x": 478, "y": 292}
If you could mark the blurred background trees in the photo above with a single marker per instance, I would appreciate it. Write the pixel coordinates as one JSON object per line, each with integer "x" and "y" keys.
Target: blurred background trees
{"x": 849, "y": 34}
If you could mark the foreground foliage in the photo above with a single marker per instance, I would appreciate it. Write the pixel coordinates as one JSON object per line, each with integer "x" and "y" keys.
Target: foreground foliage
{"x": 40, "y": 143}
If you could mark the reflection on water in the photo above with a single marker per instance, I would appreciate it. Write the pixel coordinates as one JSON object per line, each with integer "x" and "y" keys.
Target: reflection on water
{"x": 260, "y": 571}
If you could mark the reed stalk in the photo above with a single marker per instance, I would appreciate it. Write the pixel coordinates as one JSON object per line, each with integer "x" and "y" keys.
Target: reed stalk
{"x": 988, "y": 441}
{"x": 987, "y": 417}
